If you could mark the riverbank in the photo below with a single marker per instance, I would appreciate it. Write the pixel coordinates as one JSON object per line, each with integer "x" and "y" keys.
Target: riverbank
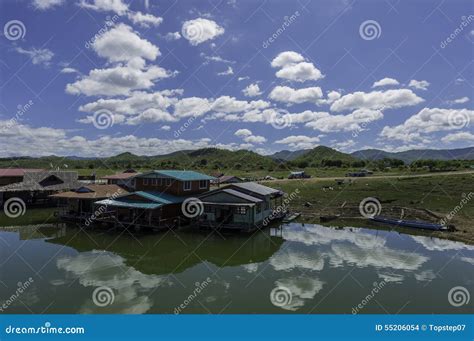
{"x": 429, "y": 198}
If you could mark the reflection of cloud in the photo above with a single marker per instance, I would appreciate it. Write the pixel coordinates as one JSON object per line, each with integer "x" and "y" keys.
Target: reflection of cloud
{"x": 97, "y": 269}
{"x": 435, "y": 244}
{"x": 321, "y": 235}
{"x": 381, "y": 257}
{"x": 251, "y": 268}
{"x": 291, "y": 259}
{"x": 391, "y": 277}
{"x": 425, "y": 276}
{"x": 467, "y": 259}
{"x": 302, "y": 289}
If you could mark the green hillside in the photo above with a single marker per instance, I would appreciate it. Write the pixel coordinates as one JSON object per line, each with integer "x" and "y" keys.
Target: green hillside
{"x": 323, "y": 156}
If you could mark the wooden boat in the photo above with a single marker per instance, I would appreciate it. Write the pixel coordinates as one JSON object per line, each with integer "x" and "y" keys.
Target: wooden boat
{"x": 291, "y": 217}
{"x": 409, "y": 223}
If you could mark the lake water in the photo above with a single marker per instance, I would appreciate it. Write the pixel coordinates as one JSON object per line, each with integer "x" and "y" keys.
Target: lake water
{"x": 293, "y": 269}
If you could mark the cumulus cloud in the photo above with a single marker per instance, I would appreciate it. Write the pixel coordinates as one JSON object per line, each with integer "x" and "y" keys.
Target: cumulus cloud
{"x": 46, "y": 4}
{"x": 461, "y": 100}
{"x": 117, "y": 6}
{"x": 165, "y": 127}
{"x": 243, "y": 132}
{"x": 429, "y": 120}
{"x": 170, "y": 36}
{"x": 248, "y": 136}
{"x": 69, "y": 70}
{"x": 299, "y": 141}
{"x": 121, "y": 43}
{"x": 390, "y": 99}
{"x": 385, "y": 82}
{"x": 289, "y": 95}
{"x": 293, "y": 66}
{"x": 461, "y": 136}
{"x": 199, "y": 30}
{"x": 350, "y": 122}
{"x": 145, "y": 20}
{"x": 420, "y": 85}
{"x": 37, "y": 56}
{"x": 252, "y": 90}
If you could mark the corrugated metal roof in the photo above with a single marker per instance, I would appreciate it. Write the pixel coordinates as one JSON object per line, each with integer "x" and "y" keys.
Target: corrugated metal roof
{"x": 163, "y": 198}
{"x": 96, "y": 191}
{"x": 120, "y": 176}
{"x": 180, "y": 175}
{"x": 241, "y": 195}
{"x": 117, "y": 203}
{"x": 17, "y": 171}
{"x": 254, "y": 187}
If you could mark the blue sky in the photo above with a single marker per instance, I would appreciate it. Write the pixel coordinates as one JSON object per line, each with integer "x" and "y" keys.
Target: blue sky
{"x": 101, "y": 77}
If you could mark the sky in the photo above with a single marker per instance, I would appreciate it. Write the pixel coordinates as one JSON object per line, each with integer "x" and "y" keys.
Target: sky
{"x": 103, "y": 77}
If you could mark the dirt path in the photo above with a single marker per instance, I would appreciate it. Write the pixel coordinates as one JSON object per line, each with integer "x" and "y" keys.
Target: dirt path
{"x": 372, "y": 177}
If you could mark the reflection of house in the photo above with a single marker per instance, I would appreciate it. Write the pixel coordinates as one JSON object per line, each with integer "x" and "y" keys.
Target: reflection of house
{"x": 79, "y": 203}
{"x": 157, "y": 201}
{"x": 124, "y": 179}
{"x": 242, "y": 205}
{"x": 37, "y": 185}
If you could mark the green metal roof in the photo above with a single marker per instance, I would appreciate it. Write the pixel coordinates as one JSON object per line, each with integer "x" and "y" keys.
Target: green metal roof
{"x": 158, "y": 199}
{"x": 181, "y": 175}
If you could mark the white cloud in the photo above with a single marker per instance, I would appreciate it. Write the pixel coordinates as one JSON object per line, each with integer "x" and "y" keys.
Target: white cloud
{"x": 289, "y": 95}
{"x": 151, "y": 115}
{"x": 252, "y": 90}
{"x": 200, "y": 30}
{"x": 170, "y": 36}
{"x": 192, "y": 106}
{"x": 294, "y": 67}
{"x": 37, "y": 56}
{"x": 461, "y": 100}
{"x": 461, "y": 136}
{"x": 385, "y": 82}
{"x": 69, "y": 70}
{"x": 243, "y": 78}
{"x": 429, "y": 120}
{"x": 243, "y": 132}
{"x": 215, "y": 58}
{"x": 350, "y": 122}
{"x": 299, "y": 141}
{"x": 227, "y": 72}
{"x": 287, "y": 58}
{"x": 144, "y": 19}
{"x": 420, "y": 85}
{"x": 121, "y": 43}
{"x": 248, "y": 136}
{"x": 116, "y": 6}
{"x": 46, "y": 4}
{"x": 119, "y": 80}
{"x": 165, "y": 127}
{"x": 390, "y": 99}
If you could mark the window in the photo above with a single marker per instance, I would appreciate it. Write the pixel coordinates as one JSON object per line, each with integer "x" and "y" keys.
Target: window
{"x": 145, "y": 182}
{"x": 241, "y": 210}
{"x": 259, "y": 208}
{"x": 209, "y": 209}
{"x": 202, "y": 184}
{"x": 187, "y": 185}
